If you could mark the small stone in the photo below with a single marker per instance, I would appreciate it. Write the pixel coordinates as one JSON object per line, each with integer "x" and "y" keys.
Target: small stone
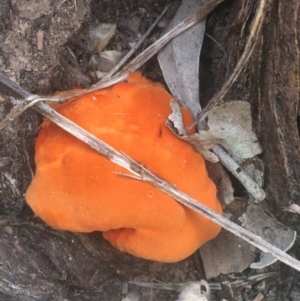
{"x": 8, "y": 230}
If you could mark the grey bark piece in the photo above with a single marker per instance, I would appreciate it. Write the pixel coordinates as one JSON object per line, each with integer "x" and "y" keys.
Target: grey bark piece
{"x": 230, "y": 125}
{"x": 225, "y": 254}
{"x": 270, "y": 229}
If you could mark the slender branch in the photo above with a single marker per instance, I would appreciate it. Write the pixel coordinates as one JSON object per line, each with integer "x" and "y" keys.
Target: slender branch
{"x": 139, "y": 171}
{"x": 215, "y": 286}
{"x": 226, "y": 160}
{"x": 135, "y": 47}
{"x": 187, "y": 23}
{"x": 134, "y": 65}
{"x": 143, "y": 174}
{"x": 144, "y": 56}
{"x": 196, "y": 17}
{"x": 147, "y": 176}
{"x": 252, "y": 187}
{"x": 250, "y": 45}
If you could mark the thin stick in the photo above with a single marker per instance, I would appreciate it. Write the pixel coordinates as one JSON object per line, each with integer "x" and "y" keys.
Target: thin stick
{"x": 250, "y": 45}
{"x": 135, "y": 47}
{"x": 252, "y": 187}
{"x": 228, "y": 162}
{"x": 187, "y": 23}
{"x": 147, "y": 176}
{"x": 144, "y": 56}
{"x": 134, "y": 65}
{"x": 143, "y": 174}
{"x": 20, "y": 108}
{"x": 213, "y": 285}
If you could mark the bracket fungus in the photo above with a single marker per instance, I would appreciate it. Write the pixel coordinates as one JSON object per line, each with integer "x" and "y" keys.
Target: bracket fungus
{"x": 77, "y": 189}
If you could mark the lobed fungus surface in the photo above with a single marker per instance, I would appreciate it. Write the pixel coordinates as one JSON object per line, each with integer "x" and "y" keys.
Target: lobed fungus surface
{"x": 77, "y": 189}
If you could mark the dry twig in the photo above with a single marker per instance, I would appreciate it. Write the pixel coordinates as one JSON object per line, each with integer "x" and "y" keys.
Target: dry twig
{"x": 143, "y": 174}
{"x": 134, "y": 65}
{"x": 139, "y": 171}
{"x": 213, "y": 285}
{"x": 134, "y": 48}
{"x": 250, "y": 45}
{"x": 252, "y": 187}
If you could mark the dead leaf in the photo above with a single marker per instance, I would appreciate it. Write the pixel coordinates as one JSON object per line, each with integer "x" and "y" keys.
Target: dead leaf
{"x": 228, "y": 124}
{"x": 175, "y": 124}
{"x": 262, "y": 223}
{"x": 226, "y": 254}
{"x": 179, "y": 60}
{"x": 255, "y": 169}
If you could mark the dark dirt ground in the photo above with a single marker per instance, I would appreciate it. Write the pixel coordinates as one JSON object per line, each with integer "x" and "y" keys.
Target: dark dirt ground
{"x": 38, "y": 263}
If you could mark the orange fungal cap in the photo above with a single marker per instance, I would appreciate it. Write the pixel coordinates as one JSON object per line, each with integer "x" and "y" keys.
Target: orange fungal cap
{"x": 77, "y": 189}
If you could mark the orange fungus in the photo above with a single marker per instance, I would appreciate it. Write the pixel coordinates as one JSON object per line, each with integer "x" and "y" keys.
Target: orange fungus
{"x": 77, "y": 189}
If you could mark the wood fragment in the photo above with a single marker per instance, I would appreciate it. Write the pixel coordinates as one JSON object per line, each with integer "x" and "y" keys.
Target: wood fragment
{"x": 40, "y": 39}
